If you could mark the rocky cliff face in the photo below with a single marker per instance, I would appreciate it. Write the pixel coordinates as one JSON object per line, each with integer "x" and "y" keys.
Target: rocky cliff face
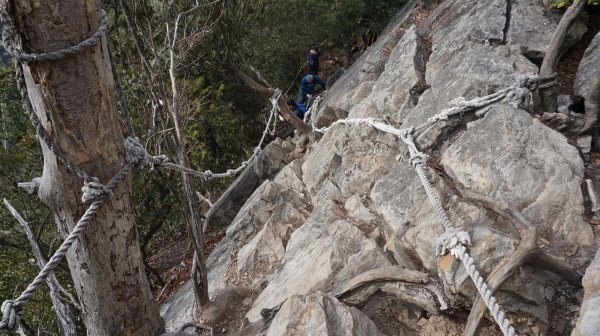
{"x": 342, "y": 240}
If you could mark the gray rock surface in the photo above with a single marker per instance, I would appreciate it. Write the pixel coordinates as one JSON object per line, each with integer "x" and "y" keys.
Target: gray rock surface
{"x": 267, "y": 247}
{"x": 588, "y": 323}
{"x": 357, "y": 82}
{"x": 353, "y": 203}
{"x": 262, "y": 167}
{"x": 589, "y": 68}
{"x": 317, "y": 257}
{"x": 523, "y": 164}
{"x": 405, "y": 69}
{"x": 530, "y": 25}
{"x": 250, "y": 219}
{"x": 320, "y": 314}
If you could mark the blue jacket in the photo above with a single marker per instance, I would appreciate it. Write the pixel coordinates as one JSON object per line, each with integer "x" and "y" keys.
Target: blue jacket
{"x": 309, "y": 88}
{"x": 300, "y": 111}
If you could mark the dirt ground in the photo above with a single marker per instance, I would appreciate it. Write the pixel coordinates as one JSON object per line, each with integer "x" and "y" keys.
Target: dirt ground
{"x": 173, "y": 261}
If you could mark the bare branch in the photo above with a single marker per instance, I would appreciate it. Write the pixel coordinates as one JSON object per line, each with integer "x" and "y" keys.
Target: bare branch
{"x": 63, "y": 311}
{"x": 204, "y": 199}
{"x": 267, "y": 92}
{"x": 30, "y": 187}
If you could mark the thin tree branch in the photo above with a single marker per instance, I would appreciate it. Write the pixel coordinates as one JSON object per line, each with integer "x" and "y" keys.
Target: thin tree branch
{"x": 63, "y": 311}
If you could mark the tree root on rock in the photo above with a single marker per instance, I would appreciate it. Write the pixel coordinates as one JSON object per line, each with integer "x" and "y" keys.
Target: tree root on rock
{"x": 388, "y": 273}
{"x": 409, "y": 286}
{"x": 223, "y": 302}
{"x": 525, "y": 252}
{"x": 563, "y": 123}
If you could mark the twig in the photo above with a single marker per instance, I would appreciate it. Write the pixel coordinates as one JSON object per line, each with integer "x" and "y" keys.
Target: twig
{"x": 204, "y": 199}
{"x": 165, "y": 287}
{"x": 63, "y": 311}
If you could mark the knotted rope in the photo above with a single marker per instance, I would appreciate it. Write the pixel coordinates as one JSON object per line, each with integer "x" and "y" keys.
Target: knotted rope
{"x": 518, "y": 95}
{"x": 24, "y": 57}
{"x": 138, "y": 154}
{"x": 312, "y": 110}
{"x": 456, "y": 240}
{"x": 93, "y": 191}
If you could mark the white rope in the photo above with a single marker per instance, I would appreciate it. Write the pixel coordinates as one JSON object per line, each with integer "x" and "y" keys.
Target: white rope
{"x": 137, "y": 152}
{"x": 98, "y": 194}
{"x": 455, "y": 240}
{"x": 272, "y": 116}
{"x": 312, "y": 110}
{"x": 12, "y": 309}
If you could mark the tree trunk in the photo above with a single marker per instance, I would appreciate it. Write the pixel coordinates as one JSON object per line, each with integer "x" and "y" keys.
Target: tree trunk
{"x": 199, "y": 272}
{"x": 553, "y": 52}
{"x": 74, "y": 98}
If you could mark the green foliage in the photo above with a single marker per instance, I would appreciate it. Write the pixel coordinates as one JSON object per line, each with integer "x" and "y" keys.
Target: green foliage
{"x": 275, "y": 36}
{"x": 567, "y": 3}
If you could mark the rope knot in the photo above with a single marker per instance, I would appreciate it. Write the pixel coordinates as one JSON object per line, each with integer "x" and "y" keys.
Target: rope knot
{"x": 11, "y": 314}
{"x": 208, "y": 175}
{"x": 451, "y": 238}
{"x": 135, "y": 152}
{"x": 93, "y": 190}
{"x": 418, "y": 159}
{"x": 157, "y": 161}
{"x": 275, "y": 96}
{"x": 406, "y": 134}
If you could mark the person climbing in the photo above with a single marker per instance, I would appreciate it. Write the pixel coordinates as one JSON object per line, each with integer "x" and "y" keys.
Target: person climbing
{"x": 297, "y": 109}
{"x": 308, "y": 86}
{"x": 312, "y": 58}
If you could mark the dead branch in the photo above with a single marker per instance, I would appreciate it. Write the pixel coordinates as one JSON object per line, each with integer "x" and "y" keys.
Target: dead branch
{"x": 171, "y": 280}
{"x": 268, "y": 92}
{"x": 389, "y": 273}
{"x": 426, "y": 296}
{"x": 63, "y": 311}
{"x": 407, "y": 285}
{"x": 553, "y": 51}
{"x": 30, "y": 187}
{"x": 507, "y": 266}
{"x": 260, "y": 77}
{"x": 419, "y": 295}
{"x": 204, "y": 199}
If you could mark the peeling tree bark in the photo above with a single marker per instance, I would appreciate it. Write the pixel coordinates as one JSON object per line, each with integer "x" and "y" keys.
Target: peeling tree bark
{"x": 74, "y": 99}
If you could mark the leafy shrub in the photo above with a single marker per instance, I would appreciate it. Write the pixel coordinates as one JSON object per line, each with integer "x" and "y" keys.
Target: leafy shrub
{"x": 566, "y": 3}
